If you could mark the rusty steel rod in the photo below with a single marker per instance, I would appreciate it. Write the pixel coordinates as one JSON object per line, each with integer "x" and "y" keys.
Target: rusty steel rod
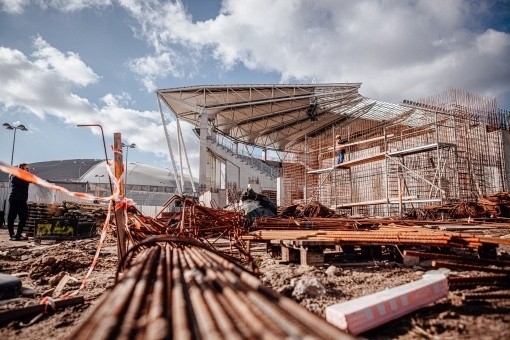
{"x": 455, "y": 265}
{"x": 452, "y": 257}
{"x": 486, "y": 296}
{"x": 186, "y": 290}
{"x": 474, "y": 281}
{"x": 381, "y": 236}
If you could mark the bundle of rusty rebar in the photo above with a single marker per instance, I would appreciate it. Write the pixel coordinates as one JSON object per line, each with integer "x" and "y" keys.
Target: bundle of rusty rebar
{"x": 495, "y": 206}
{"x": 272, "y": 223}
{"x": 472, "y": 273}
{"x": 454, "y": 211}
{"x": 381, "y": 236}
{"x": 321, "y": 223}
{"x": 176, "y": 288}
{"x": 459, "y": 282}
{"x": 461, "y": 259}
{"x": 312, "y": 209}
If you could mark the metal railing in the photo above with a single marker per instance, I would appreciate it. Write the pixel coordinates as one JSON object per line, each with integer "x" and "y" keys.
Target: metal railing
{"x": 254, "y": 162}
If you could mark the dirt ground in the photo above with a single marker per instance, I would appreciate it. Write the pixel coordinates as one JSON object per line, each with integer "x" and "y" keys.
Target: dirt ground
{"x": 41, "y": 267}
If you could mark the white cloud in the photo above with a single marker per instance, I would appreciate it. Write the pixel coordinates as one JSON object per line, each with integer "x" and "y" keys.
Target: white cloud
{"x": 45, "y": 84}
{"x": 112, "y": 100}
{"x": 68, "y": 66}
{"x": 374, "y": 42}
{"x": 398, "y": 49}
{"x": 37, "y": 87}
{"x": 75, "y": 5}
{"x": 159, "y": 66}
{"x": 13, "y": 6}
{"x": 18, "y": 6}
{"x": 493, "y": 43}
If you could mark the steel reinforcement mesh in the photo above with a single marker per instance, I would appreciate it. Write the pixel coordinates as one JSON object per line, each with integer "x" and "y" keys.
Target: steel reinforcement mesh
{"x": 443, "y": 148}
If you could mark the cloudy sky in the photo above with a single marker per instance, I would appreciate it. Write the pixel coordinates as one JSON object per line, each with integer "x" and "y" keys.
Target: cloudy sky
{"x": 69, "y": 62}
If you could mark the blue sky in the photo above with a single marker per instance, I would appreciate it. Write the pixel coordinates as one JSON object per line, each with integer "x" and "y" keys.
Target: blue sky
{"x": 68, "y": 62}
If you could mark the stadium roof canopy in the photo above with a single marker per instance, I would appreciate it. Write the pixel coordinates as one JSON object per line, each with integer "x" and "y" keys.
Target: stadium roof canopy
{"x": 274, "y": 116}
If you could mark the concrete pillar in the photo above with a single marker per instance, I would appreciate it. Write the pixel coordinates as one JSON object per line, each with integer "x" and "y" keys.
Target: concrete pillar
{"x": 204, "y": 157}
{"x": 506, "y": 158}
{"x": 280, "y": 193}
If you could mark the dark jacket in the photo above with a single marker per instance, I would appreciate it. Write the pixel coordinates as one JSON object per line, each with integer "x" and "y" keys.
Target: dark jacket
{"x": 19, "y": 189}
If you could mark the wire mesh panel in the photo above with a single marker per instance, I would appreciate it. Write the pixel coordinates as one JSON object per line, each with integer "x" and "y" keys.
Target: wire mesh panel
{"x": 395, "y": 157}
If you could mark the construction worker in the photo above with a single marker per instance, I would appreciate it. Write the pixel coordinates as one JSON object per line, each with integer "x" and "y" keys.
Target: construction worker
{"x": 341, "y": 152}
{"x": 18, "y": 205}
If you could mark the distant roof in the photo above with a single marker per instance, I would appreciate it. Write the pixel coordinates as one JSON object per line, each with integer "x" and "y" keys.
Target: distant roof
{"x": 138, "y": 174}
{"x": 274, "y": 116}
{"x": 95, "y": 171}
{"x": 69, "y": 170}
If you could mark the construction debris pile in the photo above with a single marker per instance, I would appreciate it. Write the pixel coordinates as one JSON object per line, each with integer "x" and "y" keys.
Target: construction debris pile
{"x": 176, "y": 280}
{"x": 497, "y": 205}
{"x": 256, "y": 205}
{"x": 312, "y": 209}
{"x": 190, "y": 220}
{"x": 92, "y": 215}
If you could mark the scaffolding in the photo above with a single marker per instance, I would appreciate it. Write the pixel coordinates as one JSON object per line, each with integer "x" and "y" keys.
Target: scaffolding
{"x": 454, "y": 146}
{"x": 436, "y": 150}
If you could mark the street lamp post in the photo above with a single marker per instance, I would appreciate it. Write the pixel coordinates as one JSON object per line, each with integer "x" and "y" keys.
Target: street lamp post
{"x": 15, "y": 128}
{"x": 127, "y": 146}
{"x": 104, "y": 146}
{"x": 99, "y": 184}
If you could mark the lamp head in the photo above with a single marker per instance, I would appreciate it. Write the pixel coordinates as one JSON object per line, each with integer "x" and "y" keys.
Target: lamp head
{"x": 22, "y": 127}
{"x": 8, "y": 126}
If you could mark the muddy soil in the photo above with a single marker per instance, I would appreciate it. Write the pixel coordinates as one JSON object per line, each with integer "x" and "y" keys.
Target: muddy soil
{"x": 41, "y": 267}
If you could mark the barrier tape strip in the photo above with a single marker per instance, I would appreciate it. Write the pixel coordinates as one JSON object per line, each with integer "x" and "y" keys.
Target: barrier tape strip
{"x": 48, "y": 302}
{"x": 31, "y": 178}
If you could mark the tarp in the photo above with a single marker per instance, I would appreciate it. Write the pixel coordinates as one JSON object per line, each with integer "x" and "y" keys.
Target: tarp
{"x": 256, "y": 205}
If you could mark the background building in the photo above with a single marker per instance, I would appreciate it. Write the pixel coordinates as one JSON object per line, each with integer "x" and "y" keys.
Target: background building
{"x": 148, "y": 186}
